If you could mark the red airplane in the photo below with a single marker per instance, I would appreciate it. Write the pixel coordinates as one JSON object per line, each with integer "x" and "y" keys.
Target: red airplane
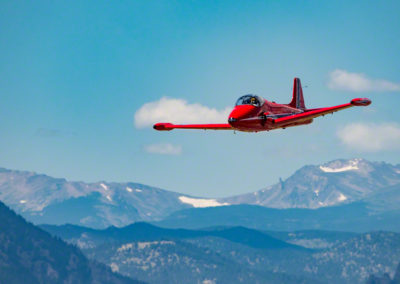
{"x": 253, "y": 113}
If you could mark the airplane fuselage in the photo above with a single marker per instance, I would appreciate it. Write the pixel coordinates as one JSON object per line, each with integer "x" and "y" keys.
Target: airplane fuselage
{"x": 252, "y": 118}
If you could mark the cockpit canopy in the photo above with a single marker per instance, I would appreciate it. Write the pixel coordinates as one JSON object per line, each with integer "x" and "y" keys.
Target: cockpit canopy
{"x": 250, "y": 100}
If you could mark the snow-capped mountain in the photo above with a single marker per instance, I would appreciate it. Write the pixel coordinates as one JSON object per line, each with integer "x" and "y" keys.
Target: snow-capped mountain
{"x": 333, "y": 183}
{"x": 44, "y": 199}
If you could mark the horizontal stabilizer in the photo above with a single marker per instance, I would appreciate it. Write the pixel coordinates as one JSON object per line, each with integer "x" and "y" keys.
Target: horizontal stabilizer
{"x": 313, "y": 113}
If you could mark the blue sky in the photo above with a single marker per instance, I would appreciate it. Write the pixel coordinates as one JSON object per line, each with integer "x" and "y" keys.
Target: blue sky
{"x": 73, "y": 75}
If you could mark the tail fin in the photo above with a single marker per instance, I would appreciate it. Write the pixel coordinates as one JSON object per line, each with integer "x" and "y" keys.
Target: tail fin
{"x": 298, "y": 99}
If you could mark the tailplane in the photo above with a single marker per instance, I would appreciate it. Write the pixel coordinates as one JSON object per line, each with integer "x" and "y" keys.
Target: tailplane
{"x": 298, "y": 99}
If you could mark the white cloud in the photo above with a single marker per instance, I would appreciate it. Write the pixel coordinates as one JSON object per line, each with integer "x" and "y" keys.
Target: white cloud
{"x": 178, "y": 111}
{"x": 163, "y": 149}
{"x": 359, "y": 82}
{"x": 371, "y": 137}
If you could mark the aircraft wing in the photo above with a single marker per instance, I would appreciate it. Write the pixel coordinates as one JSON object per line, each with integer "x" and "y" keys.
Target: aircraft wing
{"x": 313, "y": 113}
{"x": 169, "y": 126}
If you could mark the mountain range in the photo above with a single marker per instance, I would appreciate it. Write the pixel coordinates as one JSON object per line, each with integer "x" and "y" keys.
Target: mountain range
{"x": 330, "y": 223}
{"x": 370, "y": 187}
{"x": 236, "y": 254}
{"x": 44, "y": 199}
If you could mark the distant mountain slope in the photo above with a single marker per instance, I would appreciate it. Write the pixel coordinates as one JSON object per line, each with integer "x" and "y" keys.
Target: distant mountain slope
{"x": 314, "y": 239}
{"x": 356, "y": 258}
{"x": 385, "y": 279}
{"x": 30, "y": 255}
{"x": 161, "y": 255}
{"x": 43, "y": 199}
{"x": 237, "y": 255}
{"x": 182, "y": 262}
{"x": 333, "y": 183}
{"x": 353, "y": 217}
{"x": 349, "y": 260}
{"x": 86, "y": 237}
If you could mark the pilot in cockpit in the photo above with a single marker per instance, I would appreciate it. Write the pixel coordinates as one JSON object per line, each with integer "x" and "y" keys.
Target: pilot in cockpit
{"x": 250, "y": 100}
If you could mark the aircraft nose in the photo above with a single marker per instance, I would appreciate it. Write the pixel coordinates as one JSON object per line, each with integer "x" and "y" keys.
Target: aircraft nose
{"x": 240, "y": 112}
{"x": 233, "y": 119}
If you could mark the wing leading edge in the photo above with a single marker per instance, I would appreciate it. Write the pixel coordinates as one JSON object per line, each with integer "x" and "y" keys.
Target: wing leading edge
{"x": 313, "y": 113}
{"x": 169, "y": 126}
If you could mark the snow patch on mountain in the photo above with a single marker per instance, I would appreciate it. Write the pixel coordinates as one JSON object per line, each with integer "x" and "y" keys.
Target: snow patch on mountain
{"x": 128, "y": 189}
{"x": 104, "y": 186}
{"x": 201, "y": 203}
{"x": 344, "y": 169}
{"x": 342, "y": 197}
{"x": 353, "y": 165}
{"x": 22, "y": 201}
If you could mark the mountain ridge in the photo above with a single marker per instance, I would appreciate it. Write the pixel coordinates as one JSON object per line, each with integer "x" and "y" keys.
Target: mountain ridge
{"x": 142, "y": 231}
{"x": 358, "y": 218}
{"x": 43, "y": 199}
{"x": 313, "y": 186}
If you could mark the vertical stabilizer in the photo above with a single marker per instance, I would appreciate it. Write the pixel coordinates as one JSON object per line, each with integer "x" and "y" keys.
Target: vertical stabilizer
{"x": 298, "y": 99}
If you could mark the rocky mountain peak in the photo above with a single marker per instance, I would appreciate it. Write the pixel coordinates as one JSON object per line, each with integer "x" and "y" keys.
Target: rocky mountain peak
{"x": 332, "y": 183}
{"x": 341, "y": 165}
